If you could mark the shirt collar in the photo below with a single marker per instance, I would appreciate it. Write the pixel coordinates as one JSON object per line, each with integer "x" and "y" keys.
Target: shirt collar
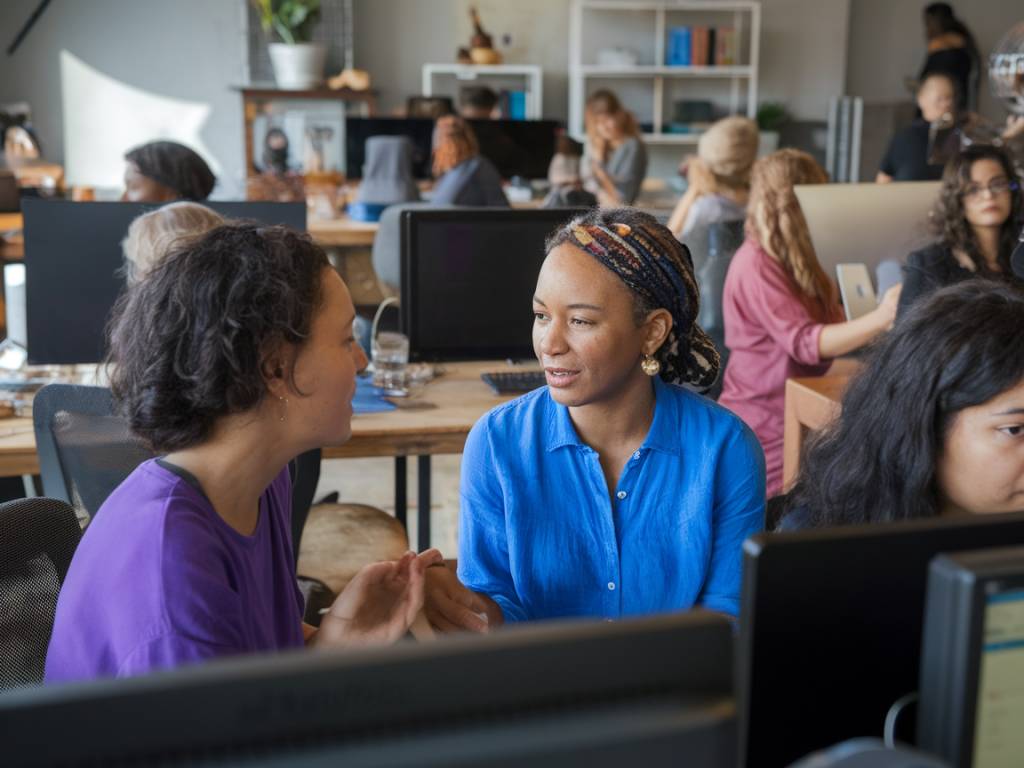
{"x": 663, "y": 435}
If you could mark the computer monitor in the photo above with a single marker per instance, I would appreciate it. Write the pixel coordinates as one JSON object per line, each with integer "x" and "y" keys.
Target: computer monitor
{"x": 468, "y": 277}
{"x": 971, "y": 709}
{"x": 831, "y": 624}
{"x": 644, "y": 692}
{"x": 516, "y": 147}
{"x": 74, "y": 262}
{"x": 867, "y": 223}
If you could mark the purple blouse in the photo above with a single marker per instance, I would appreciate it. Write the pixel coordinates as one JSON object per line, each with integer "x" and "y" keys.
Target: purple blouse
{"x": 160, "y": 580}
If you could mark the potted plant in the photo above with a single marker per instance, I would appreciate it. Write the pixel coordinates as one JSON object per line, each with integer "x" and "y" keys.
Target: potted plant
{"x": 298, "y": 63}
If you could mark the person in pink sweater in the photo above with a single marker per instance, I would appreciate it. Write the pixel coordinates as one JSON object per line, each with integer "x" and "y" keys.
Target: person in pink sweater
{"x": 781, "y": 311}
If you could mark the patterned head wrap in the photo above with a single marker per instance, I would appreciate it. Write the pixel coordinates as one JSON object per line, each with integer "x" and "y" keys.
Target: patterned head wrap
{"x": 658, "y": 269}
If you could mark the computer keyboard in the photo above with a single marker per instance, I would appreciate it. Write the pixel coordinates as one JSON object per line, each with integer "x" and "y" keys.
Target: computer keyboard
{"x": 513, "y": 382}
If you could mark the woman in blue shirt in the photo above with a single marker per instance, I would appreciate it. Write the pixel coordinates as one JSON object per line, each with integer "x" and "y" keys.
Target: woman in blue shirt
{"x": 613, "y": 490}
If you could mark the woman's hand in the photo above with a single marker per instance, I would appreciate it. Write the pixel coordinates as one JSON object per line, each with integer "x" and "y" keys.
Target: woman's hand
{"x": 380, "y": 603}
{"x": 886, "y": 311}
{"x": 450, "y": 607}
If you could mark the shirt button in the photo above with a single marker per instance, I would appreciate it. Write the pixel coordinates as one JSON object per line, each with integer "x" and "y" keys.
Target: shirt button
{"x": 621, "y": 494}
{"x": 636, "y": 456}
{"x": 611, "y": 585}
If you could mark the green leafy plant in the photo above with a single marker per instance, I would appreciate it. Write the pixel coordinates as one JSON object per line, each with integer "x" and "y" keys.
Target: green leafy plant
{"x": 771, "y": 116}
{"x": 292, "y": 20}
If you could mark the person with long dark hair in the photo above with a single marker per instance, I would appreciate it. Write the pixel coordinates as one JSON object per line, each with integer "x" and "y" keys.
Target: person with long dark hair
{"x": 932, "y": 425}
{"x": 952, "y": 51}
{"x": 977, "y": 219}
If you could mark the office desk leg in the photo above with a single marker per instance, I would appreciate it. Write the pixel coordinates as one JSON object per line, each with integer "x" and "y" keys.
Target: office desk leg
{"x": 423, "y": 500}
{"x": 401, "y": 503}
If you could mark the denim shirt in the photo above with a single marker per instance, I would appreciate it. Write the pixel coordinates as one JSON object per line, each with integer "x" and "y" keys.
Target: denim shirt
{"x": 540, "y": 535}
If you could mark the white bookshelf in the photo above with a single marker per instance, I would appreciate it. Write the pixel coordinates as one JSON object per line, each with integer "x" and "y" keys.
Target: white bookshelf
{"x": 643, "y": 26}
{"x": 528, "y": 76}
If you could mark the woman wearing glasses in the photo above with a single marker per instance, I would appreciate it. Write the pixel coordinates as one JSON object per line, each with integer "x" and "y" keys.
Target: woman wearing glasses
{"x": 977, "y": 219}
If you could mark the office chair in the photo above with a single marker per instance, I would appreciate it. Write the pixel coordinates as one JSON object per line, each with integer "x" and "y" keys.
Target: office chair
{"x": 712, "y": 248}
{"x": 37, "y": 539}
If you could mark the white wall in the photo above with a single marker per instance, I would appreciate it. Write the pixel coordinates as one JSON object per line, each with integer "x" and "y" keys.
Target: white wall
{"x": 104, "y": 75}
{"x": 887, "y": 44}
{"x": 803, "y": 47}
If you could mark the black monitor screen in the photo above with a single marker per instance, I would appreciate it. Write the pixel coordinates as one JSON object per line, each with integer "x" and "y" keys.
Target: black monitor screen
{"x": 73, "y": 269}
{"x": 516, "y": 147}
{"x": 468, "y": 278}
{"x": 419, "y": 131}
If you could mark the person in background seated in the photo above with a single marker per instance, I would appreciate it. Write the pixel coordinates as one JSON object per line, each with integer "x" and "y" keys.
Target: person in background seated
{"x": 719, "y": 177}
{"x": 232, "y": 357}
{"x": 464, "y": 176}
{"x": 906, "y": 158}
{"x": 614, "y": 490}
{"x": 932, "y": 425}
{"x": 162, "y": 171}
{"x": 477, "y": 102}
{"x": 151, "y": 235}
{"x": 564, "y": 177}
{"x": 781, "y": 311}
{"x": 615, "y": 158}
{"x": 977, "y": 217}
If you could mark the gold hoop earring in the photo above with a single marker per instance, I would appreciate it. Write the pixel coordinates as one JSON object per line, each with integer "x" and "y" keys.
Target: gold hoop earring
{"x": 284, "y": 409}
{"x": 650, "y": 365}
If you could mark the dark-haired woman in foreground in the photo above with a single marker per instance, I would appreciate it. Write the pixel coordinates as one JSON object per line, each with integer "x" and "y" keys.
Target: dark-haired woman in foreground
{"x": 933, "y": 424}
{"x": 233, "y": 356}
{"x": 977, "y": 218}
{"x": 613, "y": 491}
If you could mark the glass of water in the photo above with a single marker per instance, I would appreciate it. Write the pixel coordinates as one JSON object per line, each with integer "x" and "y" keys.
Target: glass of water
{"x": 390, "y": 352}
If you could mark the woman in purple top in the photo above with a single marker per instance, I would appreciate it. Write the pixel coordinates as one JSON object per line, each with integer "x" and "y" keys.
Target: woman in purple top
{"x": 232, "y": 357}
{"x": 782, "y": 316}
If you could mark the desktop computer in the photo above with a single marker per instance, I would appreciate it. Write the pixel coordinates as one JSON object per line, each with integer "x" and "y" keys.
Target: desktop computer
{"x": 831, "y": 626}
{"x": 74, "y": 269}
{"x": 971, "y": 709}
{"x": 652, "y": 692}
{"x": 480, "y": 266}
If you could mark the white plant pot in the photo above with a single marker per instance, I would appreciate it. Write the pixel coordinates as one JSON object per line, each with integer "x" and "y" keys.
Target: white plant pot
{"x": 299, "y": 66}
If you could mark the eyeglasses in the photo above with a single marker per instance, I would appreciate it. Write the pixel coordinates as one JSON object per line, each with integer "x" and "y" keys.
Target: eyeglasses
{"x": 994, "y": 188}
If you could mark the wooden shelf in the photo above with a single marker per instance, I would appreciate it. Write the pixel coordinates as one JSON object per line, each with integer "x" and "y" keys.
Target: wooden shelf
{"x": 596, "y": 70}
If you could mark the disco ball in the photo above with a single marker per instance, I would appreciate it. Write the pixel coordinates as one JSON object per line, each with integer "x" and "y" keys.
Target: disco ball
{"x": 1006, "y": 70}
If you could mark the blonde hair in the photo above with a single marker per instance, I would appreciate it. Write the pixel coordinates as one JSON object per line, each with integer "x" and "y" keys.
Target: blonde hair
{"x": 725, "y": 154}
{"x": 152, "y": 235}
{"x": 454, "y": 142}
{"x": 605, "y": 102}
{"x": 775, "y": 220}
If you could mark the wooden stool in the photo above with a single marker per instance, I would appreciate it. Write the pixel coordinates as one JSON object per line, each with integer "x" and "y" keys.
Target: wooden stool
{"x": 339, "y": 539}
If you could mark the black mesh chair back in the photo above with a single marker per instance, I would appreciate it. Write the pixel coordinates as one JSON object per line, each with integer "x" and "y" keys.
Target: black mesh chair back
{"x": 85, "y": 450}
{"x": 724, "y": 238}
{"x": 305, "y": 476}
{"x": 37, "y": 539}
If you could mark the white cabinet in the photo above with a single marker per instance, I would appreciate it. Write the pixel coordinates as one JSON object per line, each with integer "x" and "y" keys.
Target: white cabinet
{"x": 652, "y": 88}
{"x": 527, "y": 78}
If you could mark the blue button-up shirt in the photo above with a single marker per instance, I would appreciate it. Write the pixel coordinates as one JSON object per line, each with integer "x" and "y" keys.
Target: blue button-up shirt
{"x": 540, "y": 535}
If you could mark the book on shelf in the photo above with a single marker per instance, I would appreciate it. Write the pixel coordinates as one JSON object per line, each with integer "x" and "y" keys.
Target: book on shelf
{"x": 679, "y": 47}
{"x": 512, "y": 104}
{"x": 701, "y": 46}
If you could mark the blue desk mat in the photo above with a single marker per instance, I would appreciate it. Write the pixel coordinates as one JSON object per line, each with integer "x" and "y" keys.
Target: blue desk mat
{"x": 369, "y": 399}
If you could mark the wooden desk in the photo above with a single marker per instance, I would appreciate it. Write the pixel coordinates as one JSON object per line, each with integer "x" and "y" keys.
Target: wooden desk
{"x": 448, "y": 408}
{"x": 11, "y": 248}
{"x": 810, "y": 405}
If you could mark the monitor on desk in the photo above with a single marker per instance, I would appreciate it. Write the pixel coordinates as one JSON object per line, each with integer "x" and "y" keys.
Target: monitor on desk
{"x": 641, "y": 692}
{"x": 831, "y": 621}
{"x": 867, "y": 223}
{"x": 74, "y": 261}
{"x": 972, "y": 659}
{"x": 516, "y": 147}
{"x": 468, "y": 277}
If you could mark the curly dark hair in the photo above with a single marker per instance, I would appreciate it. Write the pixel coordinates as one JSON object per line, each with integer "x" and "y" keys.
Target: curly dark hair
{"x": 948, "y": 219}
{"x": 188, "y": 344}
{"x": 958, "y": 348}
{"x": 658, "y": 269}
